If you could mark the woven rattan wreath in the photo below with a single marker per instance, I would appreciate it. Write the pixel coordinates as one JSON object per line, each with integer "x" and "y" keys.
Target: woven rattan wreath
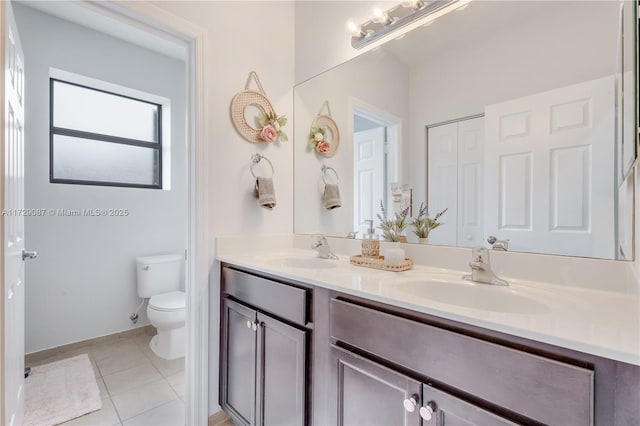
{"x": 244, "y": 99}
{"x": 321, "y": 124}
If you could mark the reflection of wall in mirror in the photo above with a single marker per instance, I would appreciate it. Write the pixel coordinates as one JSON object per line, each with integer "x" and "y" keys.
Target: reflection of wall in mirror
{"x": 353, "y": 80}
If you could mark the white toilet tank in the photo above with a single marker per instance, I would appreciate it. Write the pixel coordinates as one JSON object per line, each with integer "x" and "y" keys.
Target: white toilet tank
{"x": 158, "y": 274}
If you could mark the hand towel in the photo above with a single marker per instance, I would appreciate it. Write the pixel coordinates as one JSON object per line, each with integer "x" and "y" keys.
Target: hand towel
{"x": 331, "y": 196}
{"x": 265, "y": 193}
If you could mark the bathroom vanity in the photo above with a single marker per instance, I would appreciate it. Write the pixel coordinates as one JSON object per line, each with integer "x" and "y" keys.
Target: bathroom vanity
{"x": 313, "y": 341}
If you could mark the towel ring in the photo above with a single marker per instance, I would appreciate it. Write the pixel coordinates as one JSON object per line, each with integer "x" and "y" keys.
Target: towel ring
{"x": 326, "y": 169}
{"x": 255, "y": 159}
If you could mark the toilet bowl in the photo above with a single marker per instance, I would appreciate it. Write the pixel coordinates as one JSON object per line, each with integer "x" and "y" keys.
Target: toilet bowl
{"x": 166, "y": 312}
{"x": 159, "y": 279}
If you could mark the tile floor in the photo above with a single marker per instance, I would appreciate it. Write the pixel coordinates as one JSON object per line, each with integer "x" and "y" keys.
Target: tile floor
{"x": 136, "y": 386}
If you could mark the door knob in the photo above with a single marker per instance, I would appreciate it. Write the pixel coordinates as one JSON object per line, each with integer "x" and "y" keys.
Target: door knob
{"x": 29, "y": 254}
{"x": 427, "y": 411}
{"x": 411, "y": 403}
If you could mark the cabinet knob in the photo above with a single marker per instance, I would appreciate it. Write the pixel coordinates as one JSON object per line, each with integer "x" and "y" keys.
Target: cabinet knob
{"x": 254, "y": 326}
{"x": 427, "y": 411}
{"x": 249, "y": 324}
{"x": 411, "y": 403}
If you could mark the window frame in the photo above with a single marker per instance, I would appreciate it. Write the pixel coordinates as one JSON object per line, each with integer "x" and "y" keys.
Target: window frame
{"x": 99, "y": 137}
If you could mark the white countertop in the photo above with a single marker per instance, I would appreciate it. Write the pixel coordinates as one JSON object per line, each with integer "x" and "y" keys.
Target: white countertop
{"x": 598, "y": 322}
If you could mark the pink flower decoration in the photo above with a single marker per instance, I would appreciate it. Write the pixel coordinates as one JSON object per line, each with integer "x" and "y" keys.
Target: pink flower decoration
{"x": 269, "y": 133}
{"x": 323, "y": 147}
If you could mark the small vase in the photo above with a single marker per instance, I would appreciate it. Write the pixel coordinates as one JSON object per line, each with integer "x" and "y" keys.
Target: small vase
{"x": 423, "y": 240}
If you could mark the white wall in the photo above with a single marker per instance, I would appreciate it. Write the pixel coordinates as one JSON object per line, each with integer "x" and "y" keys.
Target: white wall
{"x": 83, "y": 283}
{"x": 341, "y": 87}
{"x": 242, "y": 36}
{"x": 322, "y": 38}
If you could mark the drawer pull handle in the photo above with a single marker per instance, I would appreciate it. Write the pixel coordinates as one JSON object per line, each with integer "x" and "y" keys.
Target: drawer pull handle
{"x": 411, "y": 403}
{"x": 427, "y": 411}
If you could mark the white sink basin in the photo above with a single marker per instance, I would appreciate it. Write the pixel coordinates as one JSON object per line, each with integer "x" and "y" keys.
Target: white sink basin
{"x": 300, "y": 261}
{"x": 309, "y": 263}
{"x": 473, "y": 295}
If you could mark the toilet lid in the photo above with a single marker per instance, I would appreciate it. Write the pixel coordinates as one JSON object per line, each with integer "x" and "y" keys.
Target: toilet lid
{"x": 173, "y": 301}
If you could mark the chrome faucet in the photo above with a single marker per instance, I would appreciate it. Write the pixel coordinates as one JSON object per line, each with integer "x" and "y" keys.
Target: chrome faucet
{"x": 481, "y": 268}
{"x": 496, "y": 244}
{"x": 321, "y": 245}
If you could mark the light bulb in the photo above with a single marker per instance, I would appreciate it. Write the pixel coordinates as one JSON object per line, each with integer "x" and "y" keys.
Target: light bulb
{"x": 355, "y": 29}
{"x": 413, "y": 4}
{"x": 380, "y": 16}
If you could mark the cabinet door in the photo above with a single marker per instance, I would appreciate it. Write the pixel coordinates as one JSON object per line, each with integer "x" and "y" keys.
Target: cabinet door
{"x": 282, "y": 373}
{"x": 371, "y": 395}
{"x": 239, "y": 362}
{"x": 441, "y": 409}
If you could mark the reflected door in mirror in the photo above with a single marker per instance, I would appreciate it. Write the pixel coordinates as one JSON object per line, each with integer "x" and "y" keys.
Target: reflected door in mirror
{"x": 555, "y": 151}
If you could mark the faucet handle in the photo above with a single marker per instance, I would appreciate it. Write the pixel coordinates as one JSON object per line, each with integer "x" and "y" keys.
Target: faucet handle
{"x": 318, "y": 240}
{"x": 480, "y": 254}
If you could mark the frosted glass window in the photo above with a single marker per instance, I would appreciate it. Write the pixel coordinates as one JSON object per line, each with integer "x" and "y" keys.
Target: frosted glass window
{"x": 102, "y": 138}
{"x": 97, "y": 161}
{"x": 89, "y": 110}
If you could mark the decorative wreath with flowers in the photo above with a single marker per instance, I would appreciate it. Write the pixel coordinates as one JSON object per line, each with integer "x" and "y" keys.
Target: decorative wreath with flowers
{"x": 318, "y": 140}
{"x": 270, "y": 125}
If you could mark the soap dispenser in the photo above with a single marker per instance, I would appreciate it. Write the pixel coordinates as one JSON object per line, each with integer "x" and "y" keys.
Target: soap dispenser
{"x": 370, "y": 242}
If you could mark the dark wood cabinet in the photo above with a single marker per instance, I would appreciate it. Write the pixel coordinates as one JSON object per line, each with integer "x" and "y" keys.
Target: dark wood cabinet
{"x": 370, "y": 394}
{"x": 281, "y": 373}
{"x": 263, "y": 365}
{"x": 443, "y": 409}
{"x": 498, "y": 374}
{"x": 239, "y": 362}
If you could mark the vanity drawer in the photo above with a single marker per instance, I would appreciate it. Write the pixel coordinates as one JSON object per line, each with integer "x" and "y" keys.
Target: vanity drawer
{"x": 542, "y": 389}
{"x": 285, "y": 301}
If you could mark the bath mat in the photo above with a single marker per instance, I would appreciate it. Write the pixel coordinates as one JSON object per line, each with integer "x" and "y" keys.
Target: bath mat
{"x": 61, "y": 391}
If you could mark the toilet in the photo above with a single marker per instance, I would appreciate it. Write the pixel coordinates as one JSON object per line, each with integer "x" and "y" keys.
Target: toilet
{"x": 159, "y": 279}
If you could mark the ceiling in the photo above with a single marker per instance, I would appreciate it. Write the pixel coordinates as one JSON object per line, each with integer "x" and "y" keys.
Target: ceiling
{"x": 81, "y": 13}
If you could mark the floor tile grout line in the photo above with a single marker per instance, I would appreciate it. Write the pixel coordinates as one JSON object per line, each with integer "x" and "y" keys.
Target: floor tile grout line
{"x": 146, "y": 411}
{"x": 116, "y": 410}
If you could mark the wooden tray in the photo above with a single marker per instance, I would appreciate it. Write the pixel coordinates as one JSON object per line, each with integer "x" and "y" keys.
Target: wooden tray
{"x": 378, "y": 263}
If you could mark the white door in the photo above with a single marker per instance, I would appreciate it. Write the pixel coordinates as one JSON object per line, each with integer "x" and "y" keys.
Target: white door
{"x": 470, "y": 182}
{"x": 368, "y": 175}
{"x": 13, "y": 226}
{"x": 442, "y": 181}
{"x": 548, "y": 161}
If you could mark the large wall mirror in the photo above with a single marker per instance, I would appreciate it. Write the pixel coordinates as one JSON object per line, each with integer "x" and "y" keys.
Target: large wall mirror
{"x": 517, "y": 117}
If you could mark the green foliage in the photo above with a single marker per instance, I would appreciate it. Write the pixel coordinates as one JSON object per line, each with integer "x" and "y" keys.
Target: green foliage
{"x": 275, "y": 120}
{"x": 393, "y": 227}
{"x": 423, "y": 224}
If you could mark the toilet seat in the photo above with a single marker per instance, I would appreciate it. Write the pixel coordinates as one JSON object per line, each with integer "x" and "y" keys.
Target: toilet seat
{"x": 168, "y": 302}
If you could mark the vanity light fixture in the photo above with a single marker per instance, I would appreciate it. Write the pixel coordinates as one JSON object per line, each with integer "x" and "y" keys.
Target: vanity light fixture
{"x": 399, "y": 16}
{"x": 355, "y": 30}
{"x": 381, "y": 17}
